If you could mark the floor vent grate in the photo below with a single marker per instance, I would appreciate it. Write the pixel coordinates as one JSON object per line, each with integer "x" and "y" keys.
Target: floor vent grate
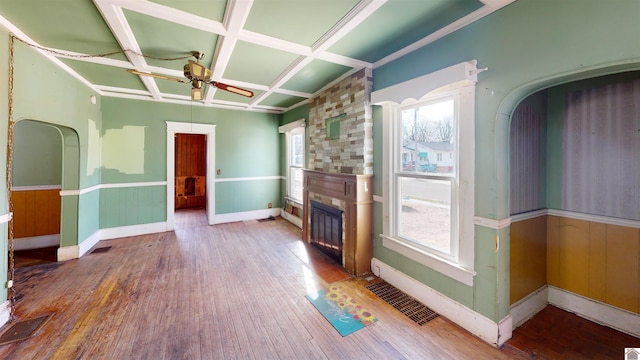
{"x": 101, "y": 250}
{"x": 22, "y": 329}
{"x": 404, "y": 303}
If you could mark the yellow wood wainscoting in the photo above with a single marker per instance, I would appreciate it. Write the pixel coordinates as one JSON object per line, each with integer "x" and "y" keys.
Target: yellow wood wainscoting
{"x": 528, "y": 257}
{"x": 36, "y": 212}
{"x": 593, "y": 259}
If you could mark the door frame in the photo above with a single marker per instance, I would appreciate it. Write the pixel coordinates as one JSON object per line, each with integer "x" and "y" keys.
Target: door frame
{"x": 209, "y": 131}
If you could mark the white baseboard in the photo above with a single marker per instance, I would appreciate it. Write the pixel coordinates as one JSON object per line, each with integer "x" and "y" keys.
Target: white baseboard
{"x": 68, "y": 252}
{"x": 488, "y": 330}
{"x": 132, "y": 230}
{"x": 246, "y": 215}
{"x": 526, "y": 308}
{"x": 89, "y": 243}
{"x": 36, "y": 242}
{"x": 5, "y": 313}
{"x": 291, "y": 218}
{"x": 596, "y": 311}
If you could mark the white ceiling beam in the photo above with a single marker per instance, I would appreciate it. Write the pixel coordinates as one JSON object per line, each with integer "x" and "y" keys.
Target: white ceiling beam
{"x": 350, "y": 21}
{"x": 117, "y": 22}
{"x": 235, "y": 17}
{"x": 170, "y": 14}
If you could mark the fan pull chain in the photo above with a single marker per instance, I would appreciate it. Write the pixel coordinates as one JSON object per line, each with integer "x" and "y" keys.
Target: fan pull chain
{"x": 11, "y": 273}
{"x": 107, "y": 54}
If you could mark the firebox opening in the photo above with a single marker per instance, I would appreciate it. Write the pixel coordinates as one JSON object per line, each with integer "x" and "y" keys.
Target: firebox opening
{"x": 326, "y": 230}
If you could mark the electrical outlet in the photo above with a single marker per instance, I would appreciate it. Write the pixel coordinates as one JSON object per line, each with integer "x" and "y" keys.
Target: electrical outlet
{"x": 269, "y": 205}
{"x": 218, "y": 172}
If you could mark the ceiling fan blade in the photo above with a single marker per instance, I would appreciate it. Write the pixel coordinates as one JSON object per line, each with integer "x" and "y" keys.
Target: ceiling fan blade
{"x": 233, "y": 89}
{"x": 158, "y": 76}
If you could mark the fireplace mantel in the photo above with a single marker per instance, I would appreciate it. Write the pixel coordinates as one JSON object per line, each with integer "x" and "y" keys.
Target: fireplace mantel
{"x": 357, "y": 193}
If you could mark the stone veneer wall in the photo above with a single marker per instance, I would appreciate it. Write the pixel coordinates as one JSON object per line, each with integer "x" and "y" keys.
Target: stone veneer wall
{"x": 352, "y": 153}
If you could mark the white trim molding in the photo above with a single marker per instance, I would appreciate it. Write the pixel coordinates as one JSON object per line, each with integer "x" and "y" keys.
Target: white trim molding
{"x": 448, "y": 268}
{"x": 596, "y": 311}
{"x": 488, "y": 330}
{"x": 110, "y": 186}
{"x": 246, "y": 215}
{"x": 529, "y": 306}
{"x": 209, "y": 130}
{"x": 255, "y": 178}
{"x": 291, "y": 218}
{"x": 36, "y": 187}
{"x": 578, "y": 216}
{"x": 595, "y": 218}
{"x": 292, "y": 125}
{"x": 491, "y": 223}
{"x": 5, "y": 218}
{"x": 132, "y": 230}
{"x": 5, "y": 313}
{"x": 36, "y": 242}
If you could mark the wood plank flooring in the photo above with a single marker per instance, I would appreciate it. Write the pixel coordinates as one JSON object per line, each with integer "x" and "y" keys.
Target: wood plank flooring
{"x": 230, "y": 291}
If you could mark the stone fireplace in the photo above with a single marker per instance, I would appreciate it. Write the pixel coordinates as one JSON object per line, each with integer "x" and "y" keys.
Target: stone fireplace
{"x": 340, "y": 173}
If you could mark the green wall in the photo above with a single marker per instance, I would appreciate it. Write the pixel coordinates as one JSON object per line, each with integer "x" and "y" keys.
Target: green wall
{"x": 45, "y": 93}
{"x": 247, "y": 145}
{"x": 37, "y": 155}
{"x": 527, "y": 46}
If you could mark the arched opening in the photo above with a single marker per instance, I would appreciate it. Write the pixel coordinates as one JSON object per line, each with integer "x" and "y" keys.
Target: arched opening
{"x": 573, "y": 195}
{"x": 45, "y": 164}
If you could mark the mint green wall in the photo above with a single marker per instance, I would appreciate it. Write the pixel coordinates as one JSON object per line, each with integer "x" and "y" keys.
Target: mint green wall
{"x": 527, "y": 46}
{"x": 4, "y": 205}
{"x": 45, "y": 93}
{"x": 37, "y": 154}
{"x": 247, "y": 145}
{"x": 132, "y": 206}
{"x": 62, "y": 101}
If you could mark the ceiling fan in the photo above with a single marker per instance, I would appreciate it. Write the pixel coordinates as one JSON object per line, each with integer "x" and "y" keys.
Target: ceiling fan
{"x": 197, "y": 75}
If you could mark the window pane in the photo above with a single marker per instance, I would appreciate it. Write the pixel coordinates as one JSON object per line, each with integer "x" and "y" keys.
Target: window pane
{"x": 295, "y": 183}
{"x": 428, "y": 141}
{"x": 425, "y": 215}
{"x": 297, "y": 149}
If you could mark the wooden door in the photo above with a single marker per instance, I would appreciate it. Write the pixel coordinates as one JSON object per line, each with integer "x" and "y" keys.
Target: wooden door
{"x": 190, "y": 171}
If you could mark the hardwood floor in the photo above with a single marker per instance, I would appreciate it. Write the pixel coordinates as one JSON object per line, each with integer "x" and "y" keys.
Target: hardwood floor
{"x": 230, "y": 291}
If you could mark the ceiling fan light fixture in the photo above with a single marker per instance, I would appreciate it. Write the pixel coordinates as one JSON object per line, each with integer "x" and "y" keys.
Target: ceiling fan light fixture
{"x": 197, "y": 94}
{"x": 194, "y": 70}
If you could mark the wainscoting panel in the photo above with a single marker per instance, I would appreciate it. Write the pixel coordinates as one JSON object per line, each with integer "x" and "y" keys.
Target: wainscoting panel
{"x": 528, "y": 257}
{"x": 596, "y": 260}
{"x": 36, "y": 212}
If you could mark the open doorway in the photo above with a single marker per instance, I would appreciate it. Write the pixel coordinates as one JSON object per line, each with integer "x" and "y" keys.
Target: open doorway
{"x": 190, "y": 180}
{"x": 35, "y": 192}
{"x": 190, "y": 171}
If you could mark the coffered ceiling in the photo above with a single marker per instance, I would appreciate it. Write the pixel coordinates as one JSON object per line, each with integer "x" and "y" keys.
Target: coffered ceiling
{"x": 284, "y": 51}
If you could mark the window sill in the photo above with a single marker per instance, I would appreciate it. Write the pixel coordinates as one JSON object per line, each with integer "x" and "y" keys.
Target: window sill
{"x": 440, "y": 265}
{"x": 293, "y": 200}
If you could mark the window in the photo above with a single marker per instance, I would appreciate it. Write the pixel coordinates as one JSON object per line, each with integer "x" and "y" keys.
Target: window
{"x": 426, "y": 212}
{"x": 295, "y": 136}
{"x": 428, "y": 200}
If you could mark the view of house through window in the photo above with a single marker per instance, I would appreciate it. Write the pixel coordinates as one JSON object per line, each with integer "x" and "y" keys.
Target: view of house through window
{"x": 426, "y": 175}
{"x": 296, "y": 162}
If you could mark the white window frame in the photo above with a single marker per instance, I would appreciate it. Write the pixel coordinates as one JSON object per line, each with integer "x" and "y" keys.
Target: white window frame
{"x": 460, "y": 80}
{"x": 290, "y": 129}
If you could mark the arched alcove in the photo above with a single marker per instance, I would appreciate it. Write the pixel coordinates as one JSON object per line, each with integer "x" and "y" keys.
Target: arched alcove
{"x": 562, "y": 253}
{"x": 61, "y": 176}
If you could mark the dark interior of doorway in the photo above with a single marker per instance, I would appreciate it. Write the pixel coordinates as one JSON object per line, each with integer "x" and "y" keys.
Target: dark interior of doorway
{"x": 190, "y": 171}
